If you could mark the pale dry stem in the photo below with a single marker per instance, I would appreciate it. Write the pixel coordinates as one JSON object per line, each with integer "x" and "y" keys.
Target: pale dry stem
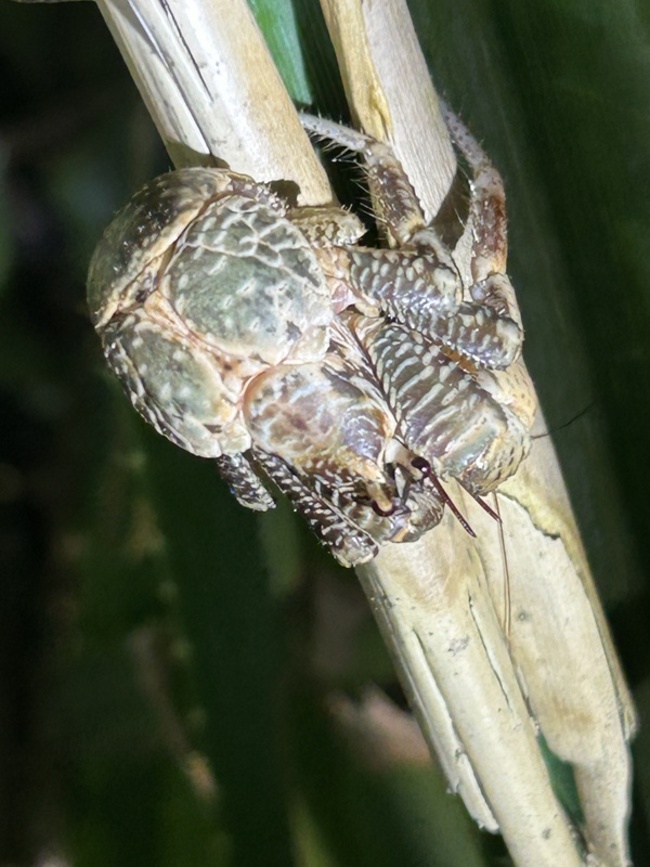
{"x": 476, "y": 681}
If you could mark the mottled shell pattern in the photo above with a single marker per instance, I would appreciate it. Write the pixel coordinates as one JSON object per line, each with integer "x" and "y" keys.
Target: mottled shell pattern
{"x": 199, "y": 284}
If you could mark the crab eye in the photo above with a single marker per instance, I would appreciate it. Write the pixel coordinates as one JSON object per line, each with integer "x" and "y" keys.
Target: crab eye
{"x": 422, "y": 465}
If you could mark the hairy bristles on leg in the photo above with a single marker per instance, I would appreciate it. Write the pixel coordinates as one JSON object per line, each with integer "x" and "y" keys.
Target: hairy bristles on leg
{"x": 330, "y": 131}
{"x": 465, "y": 141}
{"x": 394, "y": 200}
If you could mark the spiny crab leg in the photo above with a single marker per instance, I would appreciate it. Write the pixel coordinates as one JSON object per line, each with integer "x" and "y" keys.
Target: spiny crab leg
{"x": 482, "y": 322}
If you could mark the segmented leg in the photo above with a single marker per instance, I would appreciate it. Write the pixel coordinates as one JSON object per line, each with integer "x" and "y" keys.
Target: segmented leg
{"x": 324, "y": 434}
{"x": 415, "y": 289}
{"x": 347, "y": 542}
{"x": 244, "y": 483}
{"x": 487, "y": 202}
{"x": 487, "y": 212}
{"x": 397, "y": 210}
{"x": 353, "y": 528}
{"x": 328, "y": 429}
{"x": 443, "y": 413}
{"x": 419, "y": 284}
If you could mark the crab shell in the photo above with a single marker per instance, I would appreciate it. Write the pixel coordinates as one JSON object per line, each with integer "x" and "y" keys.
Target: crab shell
{"x": 199, "y": 284}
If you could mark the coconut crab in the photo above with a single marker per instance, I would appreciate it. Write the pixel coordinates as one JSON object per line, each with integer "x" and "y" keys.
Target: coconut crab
{"x": 262, "y": 335}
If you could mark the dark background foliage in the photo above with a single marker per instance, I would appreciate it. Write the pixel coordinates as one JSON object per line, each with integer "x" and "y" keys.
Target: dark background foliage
{"x": 149, "y": 628}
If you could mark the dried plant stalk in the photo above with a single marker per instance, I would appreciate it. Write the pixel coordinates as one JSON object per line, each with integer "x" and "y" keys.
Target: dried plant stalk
{"x": 474, "y": 678}
{"x": 209, "y": 82}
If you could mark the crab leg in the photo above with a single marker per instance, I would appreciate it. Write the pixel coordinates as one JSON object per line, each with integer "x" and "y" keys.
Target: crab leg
{"x": 329, "y": 520}
{"x": 420, "y": 284}
{"x": 444, "y": 414}
{"x": 239, "y": 474}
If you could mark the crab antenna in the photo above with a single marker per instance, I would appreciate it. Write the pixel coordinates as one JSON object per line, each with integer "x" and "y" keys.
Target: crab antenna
{"x": 485, "y": 507}
{"x": 425, "y": 467}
